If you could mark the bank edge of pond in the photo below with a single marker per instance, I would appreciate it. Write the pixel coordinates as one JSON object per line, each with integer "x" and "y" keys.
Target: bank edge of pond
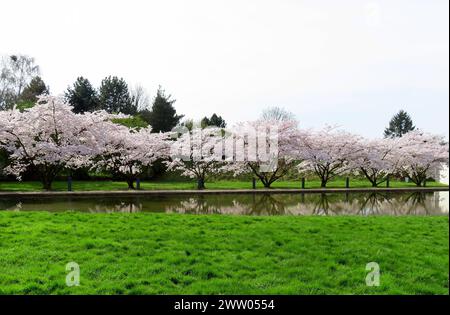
{"x": 216, "y": 191}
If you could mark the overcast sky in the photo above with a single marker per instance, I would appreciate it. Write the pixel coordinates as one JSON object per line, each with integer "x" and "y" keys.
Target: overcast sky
{"x": 350, "y": 63}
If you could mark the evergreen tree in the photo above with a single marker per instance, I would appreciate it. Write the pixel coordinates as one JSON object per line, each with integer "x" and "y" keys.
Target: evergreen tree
{"x": 82, "y": 96}
{"x": 163, "y": 116}
{"x": 399, "y": 125}
{"x": 115, "y": 96}
{"x": 215, "y": 120}
{"x": 31, "y": 92}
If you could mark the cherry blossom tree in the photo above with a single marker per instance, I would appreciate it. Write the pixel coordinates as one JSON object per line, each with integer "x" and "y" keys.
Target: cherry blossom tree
{"x": 125, "y": 152}
{"x": 48, "y": 138}
{"x": 267, "y": 149}
{"x": 420, "y": 154}
{"x": 327, "y": 152}
{"x": 375, "y": 159}
{"x": 197, "y": 153}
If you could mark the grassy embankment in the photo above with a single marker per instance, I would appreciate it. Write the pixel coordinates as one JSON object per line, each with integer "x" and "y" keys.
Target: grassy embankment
{"x": 213, "y": 254}
{"x": 179, "y": 185}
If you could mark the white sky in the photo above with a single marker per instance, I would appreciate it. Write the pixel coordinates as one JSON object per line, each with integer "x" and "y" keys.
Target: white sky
{"x": 351, "y": 63}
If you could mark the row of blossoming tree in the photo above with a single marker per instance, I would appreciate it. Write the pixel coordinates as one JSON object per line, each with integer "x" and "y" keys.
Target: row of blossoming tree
{"x": 50, "y": 138}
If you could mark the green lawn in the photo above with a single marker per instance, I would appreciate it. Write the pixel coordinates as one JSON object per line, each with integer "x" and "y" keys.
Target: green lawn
{"x": 222, "y": 184}
{"x": 213, "y": 254}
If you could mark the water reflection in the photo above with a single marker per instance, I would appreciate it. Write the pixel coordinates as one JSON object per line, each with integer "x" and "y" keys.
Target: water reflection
{"x": 376, "y": 203}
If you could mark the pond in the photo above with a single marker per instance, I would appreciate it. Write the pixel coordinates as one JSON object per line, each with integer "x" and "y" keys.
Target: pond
{"x": 376, "y": 203}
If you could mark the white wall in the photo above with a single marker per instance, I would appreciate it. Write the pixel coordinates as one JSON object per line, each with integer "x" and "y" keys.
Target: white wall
{"x": 443, "y": 175}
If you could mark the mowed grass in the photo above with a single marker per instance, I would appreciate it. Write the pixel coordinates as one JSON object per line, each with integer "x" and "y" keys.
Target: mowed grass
{"x": 180, "y": 185}
{"x": 213, "y": 254}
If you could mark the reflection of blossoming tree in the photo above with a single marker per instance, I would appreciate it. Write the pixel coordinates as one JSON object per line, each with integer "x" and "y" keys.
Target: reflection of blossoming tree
{"x": 373, "y": 203}
{"x": 198, "y": 204}
{"x": 418, "y": 203}
{"x": 268, "y": 204}
{"x": 124, "y": 207}
{"x": 256, "y": 204}
{"x": 321, "y": 205}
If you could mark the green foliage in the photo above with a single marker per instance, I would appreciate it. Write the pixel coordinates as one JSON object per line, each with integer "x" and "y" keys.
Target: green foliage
{"x": 115, "y": 96}
{"x": 163, "y": 116}
{"x": 212, "y": 254}
{"x": 399, "y": 125}
{"x": 215, "y": 120}
{"x": 82, "y": 96}
{"x": 22, "y": 105}
{"x": 188, "y": 123}
{"x": 132, "y": 122}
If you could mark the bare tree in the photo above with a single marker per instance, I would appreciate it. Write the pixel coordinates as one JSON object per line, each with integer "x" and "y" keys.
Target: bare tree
{"x": 15, "y": 73}
{"x": 6, "y": 87}
{"x": 278, "y": 114}
{"x": 24, "y": 69}
{"x": 140, "y": 98}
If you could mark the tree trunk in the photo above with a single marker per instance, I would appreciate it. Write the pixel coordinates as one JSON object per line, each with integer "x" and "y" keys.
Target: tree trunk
{"x": 419, "y": 180}
{"x": 371, "y": 178}
{"x": 130, "y": 183}
{"x": 200, "y": 184}
{"x": 46, "y": 184}
{"x": 323, "y": 183}
{"x": 47, "y": 180}
{"x": 266, "y": 183}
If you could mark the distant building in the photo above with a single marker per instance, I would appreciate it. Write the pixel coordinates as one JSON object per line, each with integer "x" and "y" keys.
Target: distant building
{"x": 442, "y": 175}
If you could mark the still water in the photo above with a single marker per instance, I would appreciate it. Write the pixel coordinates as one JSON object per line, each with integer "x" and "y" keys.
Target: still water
{"x": 416, "y": 203}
